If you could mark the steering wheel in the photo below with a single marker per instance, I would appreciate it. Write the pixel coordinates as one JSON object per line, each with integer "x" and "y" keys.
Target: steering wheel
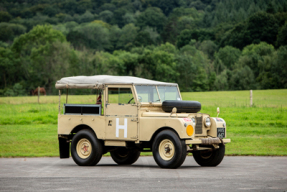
{"x": 130, "y": 100}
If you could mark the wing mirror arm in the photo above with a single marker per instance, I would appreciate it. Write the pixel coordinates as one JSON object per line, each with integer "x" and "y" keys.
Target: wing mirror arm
{"x": 173, "y": 111}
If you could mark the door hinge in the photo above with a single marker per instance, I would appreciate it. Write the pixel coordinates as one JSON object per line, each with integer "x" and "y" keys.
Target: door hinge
{"x": 134, "y": 120}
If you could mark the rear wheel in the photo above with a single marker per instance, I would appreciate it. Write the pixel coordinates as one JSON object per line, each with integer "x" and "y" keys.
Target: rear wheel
{"x": 168, "y": 150}
{"x": 86, "y": 149}
{"x": 209, "y": 158}
{"x": 124, "y": 156}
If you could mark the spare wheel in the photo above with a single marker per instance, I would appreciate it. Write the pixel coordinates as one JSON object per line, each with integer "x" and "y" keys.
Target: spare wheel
{"x": 181, "y": 106}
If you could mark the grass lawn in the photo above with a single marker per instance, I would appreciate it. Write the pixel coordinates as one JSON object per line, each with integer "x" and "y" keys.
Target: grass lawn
{"x": 29, "y": 129}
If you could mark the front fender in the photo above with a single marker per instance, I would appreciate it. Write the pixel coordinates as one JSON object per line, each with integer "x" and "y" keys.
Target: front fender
{"x": 216, "y": 123}
{"x": 149, "y": 125}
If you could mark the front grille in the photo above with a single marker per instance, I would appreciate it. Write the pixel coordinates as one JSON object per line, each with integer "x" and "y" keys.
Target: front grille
{"x": 198, "y": 126}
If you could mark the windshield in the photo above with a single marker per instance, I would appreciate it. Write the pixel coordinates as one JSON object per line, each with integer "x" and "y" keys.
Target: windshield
{"x": 156, "y": 94}
{"x": 168, "y": 93}
{"x": 147, "y": 93}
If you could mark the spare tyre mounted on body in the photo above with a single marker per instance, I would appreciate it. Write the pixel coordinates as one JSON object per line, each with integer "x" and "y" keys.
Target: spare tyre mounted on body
{"x": 137, "y": 115}
{"x": 181, "y": 106}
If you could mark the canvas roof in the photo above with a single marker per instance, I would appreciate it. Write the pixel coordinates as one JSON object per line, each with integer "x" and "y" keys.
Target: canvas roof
{"x": 98, "y": 81}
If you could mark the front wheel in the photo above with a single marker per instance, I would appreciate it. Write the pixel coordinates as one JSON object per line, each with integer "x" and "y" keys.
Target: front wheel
{"x": 124, "y": 156}
{"x": 168, "y": 150}
{"x": 86, "y": 149}
{"x": 209, "y": 158}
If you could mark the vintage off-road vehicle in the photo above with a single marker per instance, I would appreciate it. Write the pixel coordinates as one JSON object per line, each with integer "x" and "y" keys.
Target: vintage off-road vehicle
{"x": 133, "y": 115}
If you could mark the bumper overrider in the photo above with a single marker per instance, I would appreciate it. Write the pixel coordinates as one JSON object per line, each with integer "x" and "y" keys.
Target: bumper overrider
{"x": 207, "y": 141}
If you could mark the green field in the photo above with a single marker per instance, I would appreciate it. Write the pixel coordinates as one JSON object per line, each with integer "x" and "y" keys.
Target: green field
{"x": 29, "y": 129}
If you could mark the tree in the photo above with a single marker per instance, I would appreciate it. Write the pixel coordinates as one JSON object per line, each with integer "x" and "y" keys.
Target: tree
{"x": 167, "y": 47}
{"x": 115, "y": 33}
{"x": 166, "y": 5}
{"x": 170, "y": 31}
{"x": 5, "y": 16}
{"x": 37, "y": 37}
{"x": 51, "y": 61}
{"x": 143, "y": 39}
{"x": 9, "y": 68}
{"x": 236, "y": 37}
{"x": 157, "y": 65}
{"x": 221, "y": 81}
{"x": 155, "y": 37}
{"x": 51, "y": 10}
{"x": 193, "y": 67}
{"x": 270, "y": 8}
{"x": 199, "y": 35}
{"x": 118, "y": 17}
{"x": 242, "y": 79}
{"x": 106, "y": 16}
{"x": 209, "y": 48}
{"x": 279, "y": 69}
{"x": 262, "y": 27}
{"x": 8, "y": 31}
{"x": 86, "y": 17}
{"x": 70, "y": 7}
{"x": 127, "y": 38}
{"x": 228, "y": 55}
{"x": 198, "y": 5}
{"x": 84, "y": 5}
{"x": 129, "y": 18}
{"x": 39, "y": 43}
{"x": 282, "y": 36}
{"x": 120, "y": 3}
{"x": 152, "y": 17}
{"x": 254, "y": 53}
{"x": 108, "y": 6}
{"x": 91, "y": 35}
{"x": 129, "y": 60}
{"x": 184, "y": 38}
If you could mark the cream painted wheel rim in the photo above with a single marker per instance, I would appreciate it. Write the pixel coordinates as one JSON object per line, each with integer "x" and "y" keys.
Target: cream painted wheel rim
{"x": 84, "y": 148}
{"x": 166, "y": 149}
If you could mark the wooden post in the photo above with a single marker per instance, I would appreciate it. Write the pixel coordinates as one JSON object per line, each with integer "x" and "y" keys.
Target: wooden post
{"x": 59, "y": 101}
{"x": 38, "y": 94}
{"x": 251, "y": 98}
{"x": 67, "y": 96}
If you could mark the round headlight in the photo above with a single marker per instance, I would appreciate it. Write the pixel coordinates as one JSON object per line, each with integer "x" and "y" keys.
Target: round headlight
{"x": 193, "y": 120}
{"x": 207, "y": 122}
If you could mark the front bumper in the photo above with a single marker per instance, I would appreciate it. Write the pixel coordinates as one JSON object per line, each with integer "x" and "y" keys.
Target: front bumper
{"x": 207, "y": 141}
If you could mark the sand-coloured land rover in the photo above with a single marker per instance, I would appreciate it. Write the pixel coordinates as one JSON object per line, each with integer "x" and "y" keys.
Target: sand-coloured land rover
{"x": 133, "y": 115}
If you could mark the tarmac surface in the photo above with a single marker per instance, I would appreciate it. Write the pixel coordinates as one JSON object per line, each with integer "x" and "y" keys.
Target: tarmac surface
{"x": 54, "y": 174}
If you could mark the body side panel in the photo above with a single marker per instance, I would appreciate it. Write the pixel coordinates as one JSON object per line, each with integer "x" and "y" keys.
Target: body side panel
{"x": 66, "y": 123}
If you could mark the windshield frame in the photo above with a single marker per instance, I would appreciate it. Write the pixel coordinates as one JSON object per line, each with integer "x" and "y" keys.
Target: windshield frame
{"x": 157, "y": 91}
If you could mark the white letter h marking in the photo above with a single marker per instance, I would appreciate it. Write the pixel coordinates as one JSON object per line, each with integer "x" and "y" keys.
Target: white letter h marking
{"x": 124, "y": 127}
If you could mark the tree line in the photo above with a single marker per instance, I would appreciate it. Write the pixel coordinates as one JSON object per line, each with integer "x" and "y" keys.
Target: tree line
{"x": 202, "y": 45}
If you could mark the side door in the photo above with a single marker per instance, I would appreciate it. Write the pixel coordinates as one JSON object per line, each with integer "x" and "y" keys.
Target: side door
{"x": 121, "y": 113}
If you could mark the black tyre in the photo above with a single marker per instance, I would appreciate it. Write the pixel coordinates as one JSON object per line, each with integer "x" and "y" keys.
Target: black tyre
{"x": 124, "y": 156}
{"x": 209, "y": 158}
{"x": 181, "y": 106}
{"x": 86, "y": 149}
{"x": 168, "y": 150}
